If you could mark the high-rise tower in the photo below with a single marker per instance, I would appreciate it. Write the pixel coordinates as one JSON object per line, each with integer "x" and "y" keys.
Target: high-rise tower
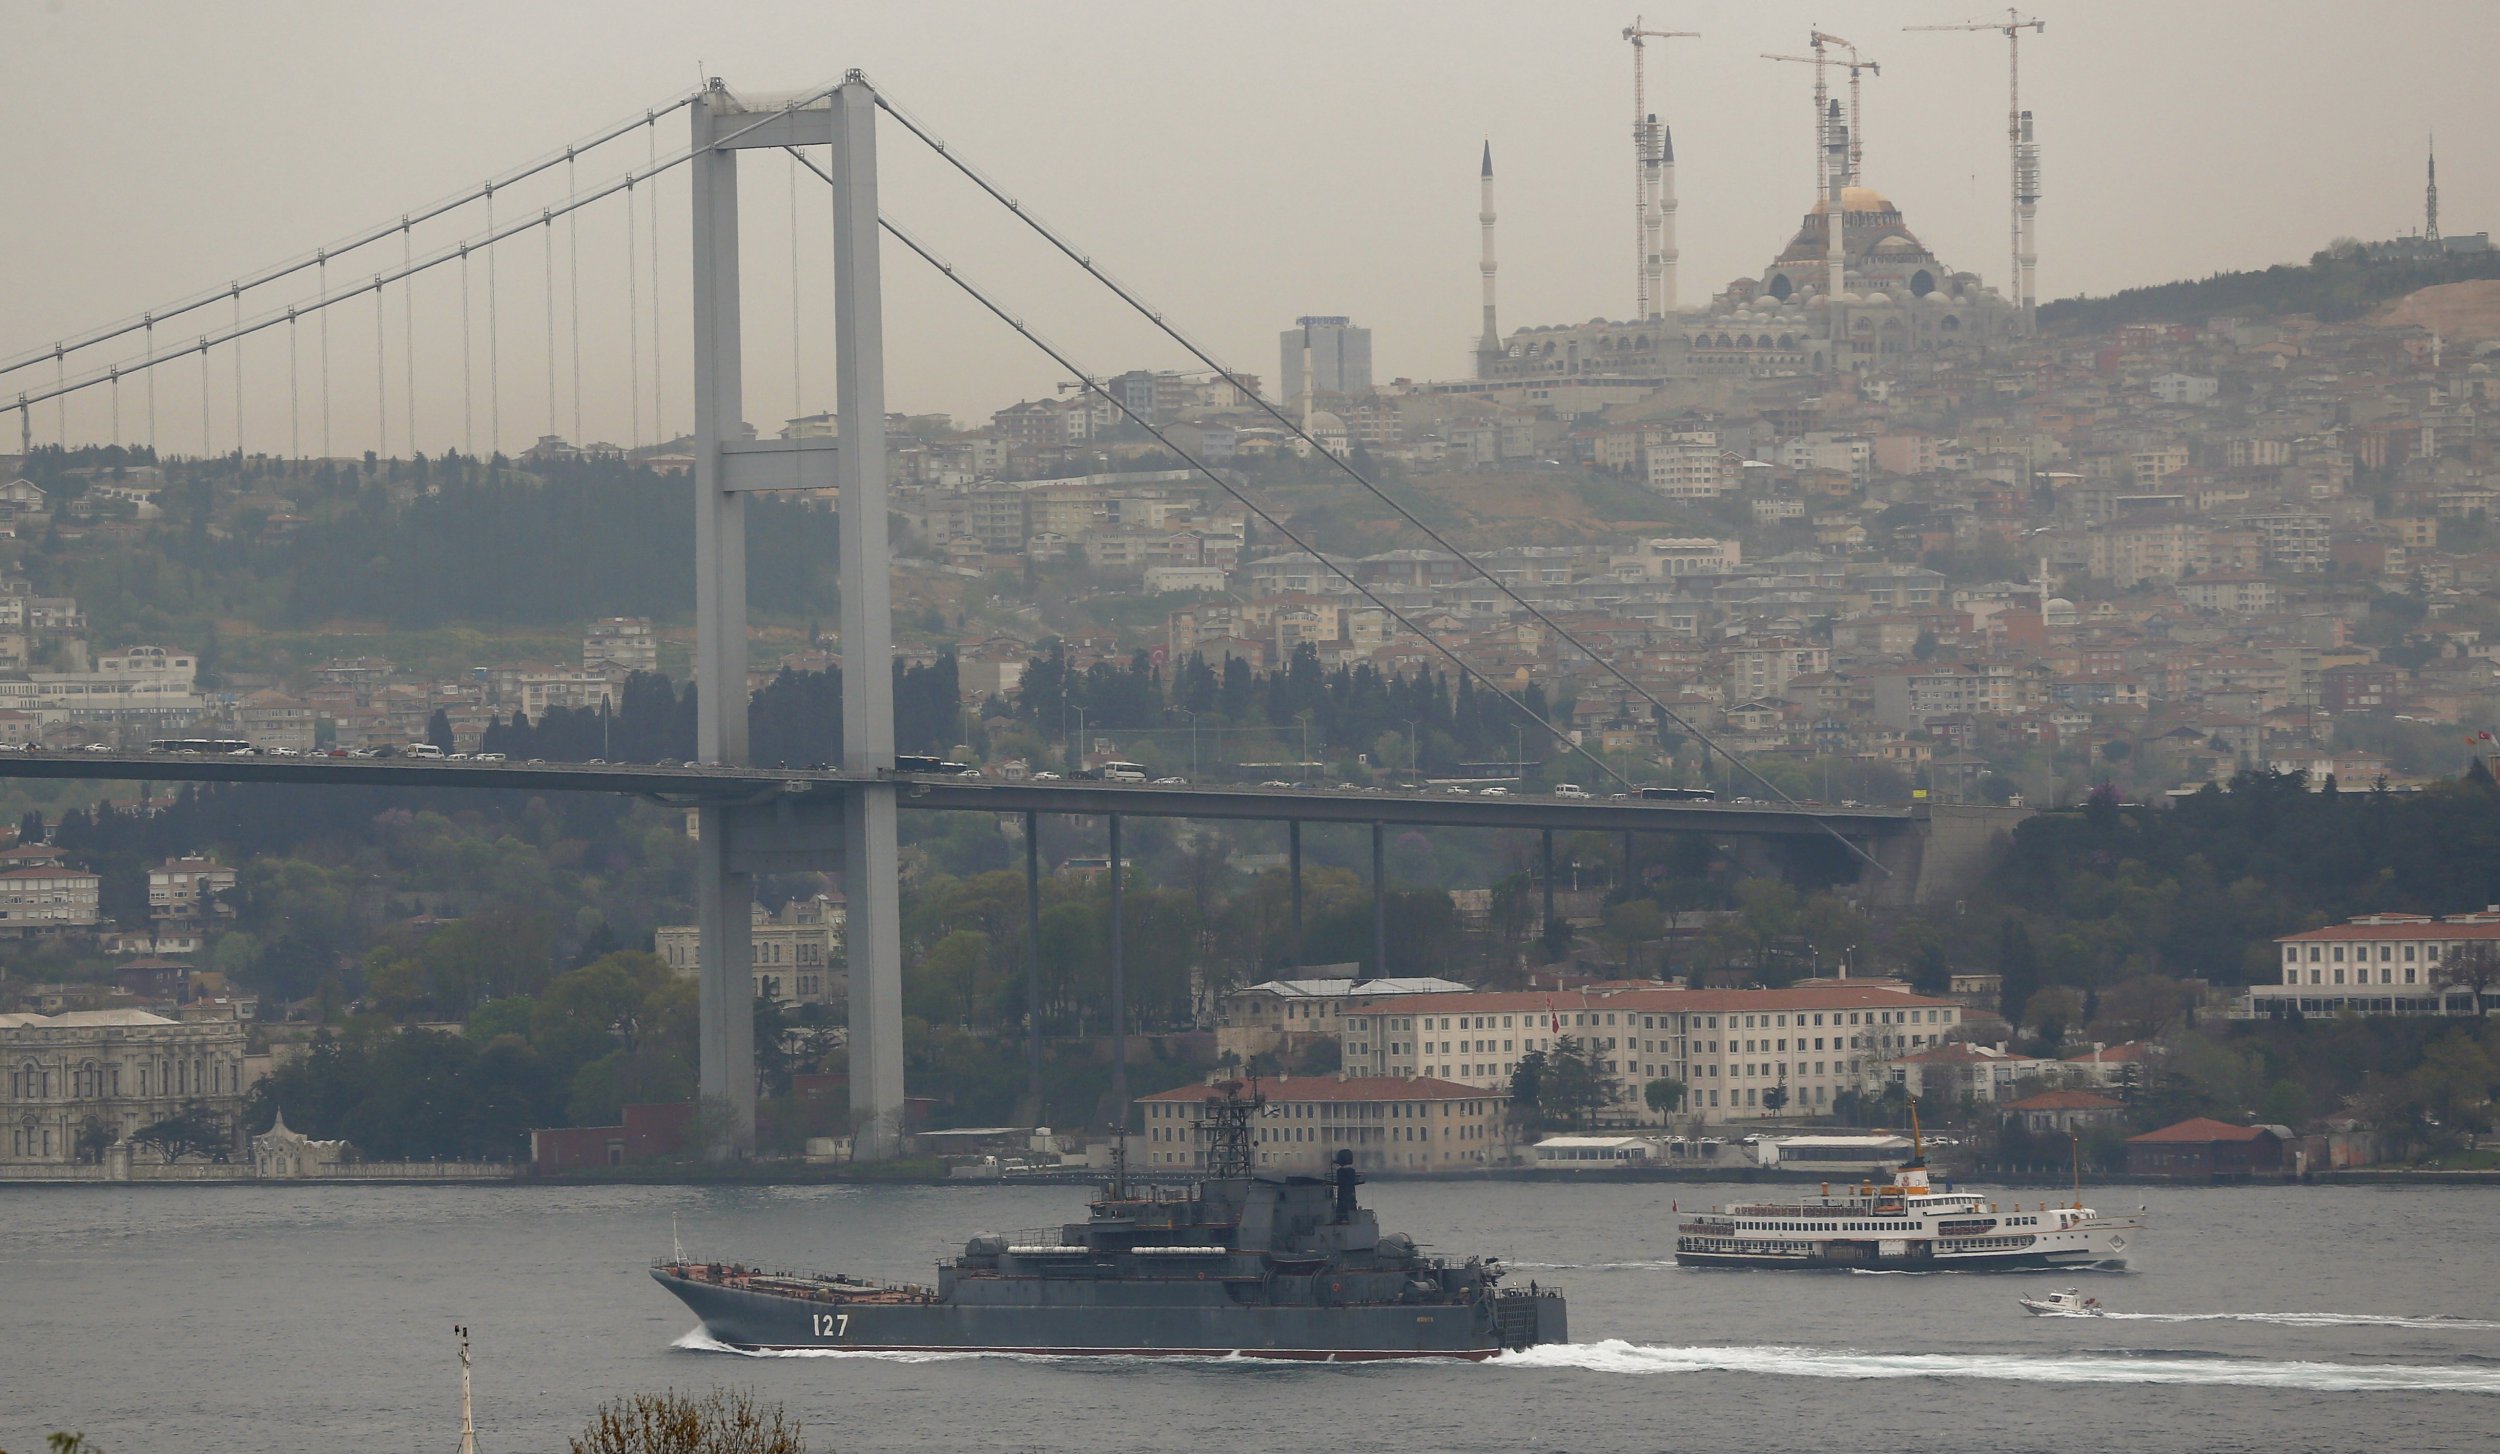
{"x": 2430, "y": 199}
{"x": 1489, "y": 347}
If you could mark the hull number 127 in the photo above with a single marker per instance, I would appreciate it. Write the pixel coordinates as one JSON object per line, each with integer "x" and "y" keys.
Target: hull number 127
{"x": 831, "y": 1325}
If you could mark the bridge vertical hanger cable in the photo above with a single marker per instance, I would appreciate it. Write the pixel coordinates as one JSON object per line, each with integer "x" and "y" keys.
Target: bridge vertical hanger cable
{"x": 494, "y": 356}
{"x": 468, "y": 386}
{"x": 116, "y": 441}
{"x": 207, "y": 445}
{"x": 294, "y": 400}
{"x": 408, "y": 332}
{"x": 325, "y": 359}
{"x": 1157, "y": 318}
{"x": 238, "y": 370}
{"x": 381, "y": 377}
{"x": 60, "y": 408}
{"x": 151, "y": 354}
{"x": 573, "y": 280}
{"x": 659, "y": 360}
{"x": 547, "y": 240}
{"x": 633, "y": 320}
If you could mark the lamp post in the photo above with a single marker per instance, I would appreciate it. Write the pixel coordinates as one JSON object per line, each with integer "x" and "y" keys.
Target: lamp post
{"x": 1193, "y": 738}
{"x": 1304, "y": 716}
{"x": 1414, "y": 756}
{"x": 1079, "y": 764}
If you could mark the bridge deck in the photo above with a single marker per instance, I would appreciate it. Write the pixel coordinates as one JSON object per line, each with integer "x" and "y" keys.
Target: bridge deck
{"x": 704, "y": 785}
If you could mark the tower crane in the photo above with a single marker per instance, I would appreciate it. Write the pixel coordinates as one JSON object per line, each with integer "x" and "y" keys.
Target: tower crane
{"x": 2023, "y": 153}
{"x": 1857, "y": 105}
{"x": 1646, "y": 161}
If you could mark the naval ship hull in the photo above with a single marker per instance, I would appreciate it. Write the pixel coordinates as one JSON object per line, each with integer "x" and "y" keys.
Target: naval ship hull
{"x": 1177, "y": 1318}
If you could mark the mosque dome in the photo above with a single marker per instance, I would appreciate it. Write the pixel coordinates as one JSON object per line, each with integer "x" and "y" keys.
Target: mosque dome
{"x": 1857, "y": 199}
{"x": 2058, "y": 611}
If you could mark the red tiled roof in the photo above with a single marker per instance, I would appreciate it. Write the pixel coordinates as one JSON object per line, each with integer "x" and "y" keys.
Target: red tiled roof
{"x": 1657, "y": 1001}
{"x": 1353, "y": 1088}
{"x": 2411, "y": 929}
{"x": 2201, "y": 1129}
{"x": 2065, "y": 1100}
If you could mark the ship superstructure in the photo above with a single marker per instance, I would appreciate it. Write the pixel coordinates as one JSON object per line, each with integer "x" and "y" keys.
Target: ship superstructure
{"x": 1261, "y": 1264}
{"x": 1906, "y": 1224}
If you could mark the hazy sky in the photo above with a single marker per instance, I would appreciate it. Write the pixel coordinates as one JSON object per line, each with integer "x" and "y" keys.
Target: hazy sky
{"x": 1240, "y": 164}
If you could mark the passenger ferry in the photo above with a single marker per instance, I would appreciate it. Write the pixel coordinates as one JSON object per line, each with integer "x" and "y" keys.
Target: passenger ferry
{"x": 1906, "y": 1225}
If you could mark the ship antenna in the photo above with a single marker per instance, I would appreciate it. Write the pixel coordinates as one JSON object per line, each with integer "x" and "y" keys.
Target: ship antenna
{"x": 2074, "y": 1144}
{"x": 468, "y": 1424}
{"x": 676, "y": 1247}
{"x": 1226, "y": 1127}
{"x": 1119, "y": 1162}
{"x": 1918, "y": 1144}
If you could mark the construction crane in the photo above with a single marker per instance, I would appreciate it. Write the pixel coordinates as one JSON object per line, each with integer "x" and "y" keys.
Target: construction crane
{"x": 1857, "y": 105}
{"x": 2023, "y": 154}
{"x": 1648, "y": 261}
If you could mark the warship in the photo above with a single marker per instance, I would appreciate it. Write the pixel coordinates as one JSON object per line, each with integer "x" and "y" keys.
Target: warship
{"x": 1260, "y": 1264}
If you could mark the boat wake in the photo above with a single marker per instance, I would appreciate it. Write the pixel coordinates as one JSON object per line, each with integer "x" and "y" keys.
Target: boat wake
{"x": 1616, "y": 1356}
{"x": 695, "y": 1340}
{"x": 2314, "y": 1320}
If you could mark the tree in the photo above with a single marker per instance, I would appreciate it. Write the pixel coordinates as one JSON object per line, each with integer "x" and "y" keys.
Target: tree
{"x": 1576, "y": 1085}
{"x": 438, "y": 730}
{"x": 2475, "y": 967}
{"x": 724, "y": 1421}
{"x": 2018, "y": 966}
{"x": 1775, "y": 1099}
{"x": 1664, "y": 1095}
{"x": 1527, "y": 1086}
{"x": 192, "y": 1131}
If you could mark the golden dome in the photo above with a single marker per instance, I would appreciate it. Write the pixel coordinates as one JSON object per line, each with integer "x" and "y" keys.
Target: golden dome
{"x": 1857, "y": 199}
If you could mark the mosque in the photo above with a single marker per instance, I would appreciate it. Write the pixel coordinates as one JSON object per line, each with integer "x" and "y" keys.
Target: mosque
{"x": 1836, "y": 298}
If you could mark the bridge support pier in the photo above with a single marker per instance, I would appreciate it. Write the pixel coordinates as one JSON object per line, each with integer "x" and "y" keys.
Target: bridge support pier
{"x": 1545, "y": 875}
{"x": 1380, "y": 903}
{"x": 725, "y": 469}
{"x": 1033, "y": 963}
{"x": 1293, "y": 875}
{"x": 1119, "y": 991}
{"x": 724, "y": 989}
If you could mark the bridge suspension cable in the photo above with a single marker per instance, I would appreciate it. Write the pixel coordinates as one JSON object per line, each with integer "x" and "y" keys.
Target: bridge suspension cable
{"x": 457, "y": 252}
{"x": 1204, "y": 356}
{"x": 146, "y": 322}
{"x": 1266, "y": 517}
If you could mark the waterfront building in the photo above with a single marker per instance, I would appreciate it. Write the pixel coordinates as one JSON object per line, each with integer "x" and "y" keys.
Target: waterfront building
{"x": 2201, "y": 1149}
{"x": 1740, "y": 1054}
{"x": 82, "y": 1080}
{"x": 1390, "y": 1123}
{"x": 2387, "y": 964}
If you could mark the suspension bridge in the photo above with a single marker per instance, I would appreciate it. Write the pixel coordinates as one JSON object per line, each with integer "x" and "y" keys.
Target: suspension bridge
{"x": 752, "y": 819}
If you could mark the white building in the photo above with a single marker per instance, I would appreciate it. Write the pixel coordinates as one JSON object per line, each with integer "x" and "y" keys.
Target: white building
{"x": 1729, "y": 1048}
{"x": 796, "y": 954}
{"x": 620, "y": 643}
{"x": 142, "y": 683}
{"x": 48, "y": 897}
{"x": 187, "y": 888}
{"x": 81, "y": 1080}
{"x": 2387, "y": 964}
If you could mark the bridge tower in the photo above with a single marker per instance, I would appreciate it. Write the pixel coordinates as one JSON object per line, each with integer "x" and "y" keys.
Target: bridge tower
{"x": 855, "y": 826}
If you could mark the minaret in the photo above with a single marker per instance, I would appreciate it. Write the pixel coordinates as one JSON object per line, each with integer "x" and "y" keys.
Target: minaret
{"x": 1836, "y": 272}
{"x": 1651, "y": 220}
{"x": 1489, "y": 347}
{"x": 1836, "y": 175}
{"x": 2430, "y": 199}
{"x": 1665, "y": 291}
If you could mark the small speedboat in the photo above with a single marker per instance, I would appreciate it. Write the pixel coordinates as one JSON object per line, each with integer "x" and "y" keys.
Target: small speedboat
{"x": 2070, "y": 1303}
